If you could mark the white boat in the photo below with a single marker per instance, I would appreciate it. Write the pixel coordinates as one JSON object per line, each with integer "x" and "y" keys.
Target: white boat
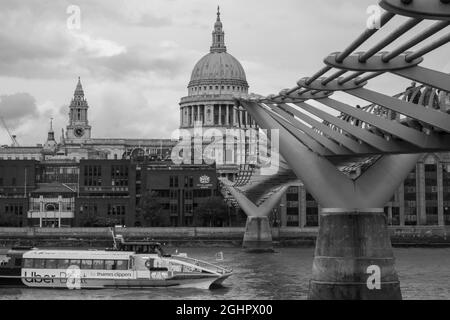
{"x": 144, "y": 267}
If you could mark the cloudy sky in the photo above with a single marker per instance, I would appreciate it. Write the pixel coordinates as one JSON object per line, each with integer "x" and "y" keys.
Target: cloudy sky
{"x": 135, "y": 57}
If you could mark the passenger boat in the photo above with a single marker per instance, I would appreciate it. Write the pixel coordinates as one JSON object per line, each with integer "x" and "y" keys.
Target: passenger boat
{"x": 129, "y": 265}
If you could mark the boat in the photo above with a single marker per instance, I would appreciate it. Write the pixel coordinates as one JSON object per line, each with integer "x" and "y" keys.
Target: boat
{"x": 128, "y": 265}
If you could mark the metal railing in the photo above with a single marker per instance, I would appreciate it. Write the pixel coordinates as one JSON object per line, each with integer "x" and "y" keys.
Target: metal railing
{"x": 203, "y": 264}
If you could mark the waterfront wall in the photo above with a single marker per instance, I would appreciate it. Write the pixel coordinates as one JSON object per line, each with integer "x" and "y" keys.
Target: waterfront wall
{"x": 399, "y": 235}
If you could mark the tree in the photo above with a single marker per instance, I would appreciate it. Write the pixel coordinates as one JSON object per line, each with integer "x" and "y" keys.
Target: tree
{"x": 98, "y": 222}
{"x": 151, "y": 210}
{"x": 211, "y": 211}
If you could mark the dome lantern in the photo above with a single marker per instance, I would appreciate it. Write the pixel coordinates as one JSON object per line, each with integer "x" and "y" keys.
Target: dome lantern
{"x": 218, "y": 44}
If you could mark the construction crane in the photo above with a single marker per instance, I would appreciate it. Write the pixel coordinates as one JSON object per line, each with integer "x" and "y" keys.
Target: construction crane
{"x": 13, "y": 138}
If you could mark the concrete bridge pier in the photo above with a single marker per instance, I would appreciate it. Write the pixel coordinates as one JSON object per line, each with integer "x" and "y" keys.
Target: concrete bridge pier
{"x": 258, "y": 235}
{"x": 354, "y": 258}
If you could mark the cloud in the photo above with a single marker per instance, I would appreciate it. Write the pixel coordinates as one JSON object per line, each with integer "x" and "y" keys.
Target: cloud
{"x": 150, "y": 20}
{"x": 17, "y": 107}
{"x": 134, "y": 60}
{"x": 97, "y": 48}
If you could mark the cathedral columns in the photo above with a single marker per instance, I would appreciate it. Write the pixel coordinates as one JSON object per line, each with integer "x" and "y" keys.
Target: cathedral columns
{"x": 227, "y": 116}
{"x": 196, "y": 114}
{"x": 182, "y": 116}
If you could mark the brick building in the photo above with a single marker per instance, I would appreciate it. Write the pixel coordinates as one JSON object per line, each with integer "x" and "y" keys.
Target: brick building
{"x": 70, "y": 193}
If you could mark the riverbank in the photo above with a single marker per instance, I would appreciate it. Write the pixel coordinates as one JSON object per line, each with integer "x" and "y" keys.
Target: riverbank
{"x": 208, "y": 237}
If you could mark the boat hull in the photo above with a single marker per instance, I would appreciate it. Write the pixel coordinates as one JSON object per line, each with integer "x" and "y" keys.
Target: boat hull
{"x": 179, "y": 281}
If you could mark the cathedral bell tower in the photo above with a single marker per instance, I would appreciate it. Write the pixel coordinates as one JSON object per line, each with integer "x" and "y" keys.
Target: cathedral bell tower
{"x": 78, "y": 130}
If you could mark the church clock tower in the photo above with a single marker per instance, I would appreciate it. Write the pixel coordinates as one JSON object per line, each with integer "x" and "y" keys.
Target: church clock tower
{"x": 78, "y": 130}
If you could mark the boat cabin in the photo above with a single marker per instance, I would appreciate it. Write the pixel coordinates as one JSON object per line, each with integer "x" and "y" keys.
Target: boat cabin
{"x": 141, "y": 247}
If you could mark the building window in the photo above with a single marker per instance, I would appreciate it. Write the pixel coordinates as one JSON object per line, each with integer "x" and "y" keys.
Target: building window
{"x": 395, "y": 216}
{"x": 312, "y": 217}
{"x": 410, "y": 216}
{"x": 116, "y": 210}
{"x": 173, "y": 194}
{"x": 188, "y": 195}
{"x": 93, "y": 176}
{"x": 119, "y": 175}
{"x": 173, "y": 181}
{"x": 292, "y": 190}
{"x": 291, "y": 197}
{"x": 16, "y": 209}
{"x": 173, "y": 209}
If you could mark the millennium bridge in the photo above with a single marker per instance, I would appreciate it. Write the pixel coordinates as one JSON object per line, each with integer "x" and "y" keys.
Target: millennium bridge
{"x": 383, "y": 140}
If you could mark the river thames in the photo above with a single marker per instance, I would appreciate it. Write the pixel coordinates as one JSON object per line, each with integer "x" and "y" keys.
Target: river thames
{"x": 424, "y": 274}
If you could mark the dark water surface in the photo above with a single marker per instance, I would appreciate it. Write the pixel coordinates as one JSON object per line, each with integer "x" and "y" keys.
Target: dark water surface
{"x": 424, "y": 274}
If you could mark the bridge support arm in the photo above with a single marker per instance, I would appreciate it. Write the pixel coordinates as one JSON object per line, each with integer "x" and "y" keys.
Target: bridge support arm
{"x": 306, "y": 164}
{"x": 258, "y": 233}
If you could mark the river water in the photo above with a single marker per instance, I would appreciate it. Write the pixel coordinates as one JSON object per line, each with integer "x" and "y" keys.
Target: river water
{"x": 424, "y": 274}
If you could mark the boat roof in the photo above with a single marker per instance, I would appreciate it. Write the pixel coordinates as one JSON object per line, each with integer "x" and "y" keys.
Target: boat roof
{"x": 78, "y": 254}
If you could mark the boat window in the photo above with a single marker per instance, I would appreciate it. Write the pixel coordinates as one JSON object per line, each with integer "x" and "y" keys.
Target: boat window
{"x": 109, "y": 265}
{"x": 97, "y": 265}
{"x": 122, "y": 265}
{"x": 75, "y": 263}
{"x": 51, "y": 264}
{"x": 63, "y": 264}
{"x": 28, "y": 263}
{"x": 39, "y": 263}
{"x": 86, "y": 264}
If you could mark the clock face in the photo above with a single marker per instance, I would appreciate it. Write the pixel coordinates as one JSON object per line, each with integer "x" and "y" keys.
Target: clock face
{"x": 79, "y": 132}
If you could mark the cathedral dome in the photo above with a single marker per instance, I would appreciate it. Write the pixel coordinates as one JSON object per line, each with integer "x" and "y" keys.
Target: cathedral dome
{"x": 218, "y": 67}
